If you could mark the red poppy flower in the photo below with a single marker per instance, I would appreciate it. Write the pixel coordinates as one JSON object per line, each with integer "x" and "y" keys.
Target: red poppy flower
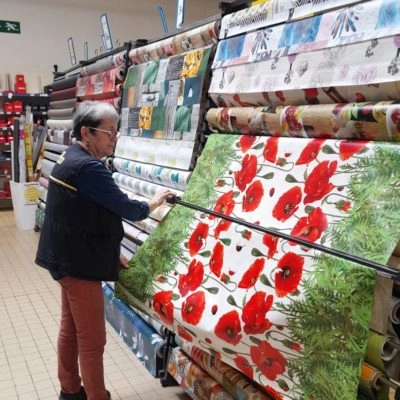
{"x": 251, "y": 276}
{"x": 272, "y": 243}
{"x": 247, "y": 173}
{"x": 287, "y": 204}
{"x": 271, "y": 391}
{"x": 253, "y": 196}
{"x": 317, "y": 183}
{"x": 311, "y": 227}
{"x": 228, "y": 328}
{"x": 254, "y": 311}
{"x": 192, "y": 280}
{"x": 289, "y": 276}
{"x": 268, "y": 359}
{"x": 310, "y": 152}
{"x": 217, "y": 259}
{"x": 222, "y": 226}
{"x": 296, "y": 347}
{"x": 193, "y": 307}
{"x": 184, "y": 334}
{"x": 197, "y": 238}
{"x": 246, "y": 141}
{"x": 347, "y": 148}
{"x": 225, "y": 204}
{"x": 243, "y": 365}
{"x": 246, "y": 234}
{"x": 343, "y": 205}
{"x": 162, "y": 304}
{"x": 271, "y": 149}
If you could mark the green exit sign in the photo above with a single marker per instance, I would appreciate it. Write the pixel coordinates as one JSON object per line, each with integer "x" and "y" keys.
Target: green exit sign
{"x": 10, "y": 26}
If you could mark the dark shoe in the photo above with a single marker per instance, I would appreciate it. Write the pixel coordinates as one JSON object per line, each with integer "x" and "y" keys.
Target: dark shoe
{"x": 81, "y": 395}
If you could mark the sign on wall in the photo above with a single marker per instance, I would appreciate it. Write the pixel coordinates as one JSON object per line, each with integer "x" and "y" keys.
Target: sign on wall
{"x": 10, "y": 26}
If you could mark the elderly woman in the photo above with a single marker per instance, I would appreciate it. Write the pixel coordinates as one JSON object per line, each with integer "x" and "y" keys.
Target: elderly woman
{"x": 80, "y": 246}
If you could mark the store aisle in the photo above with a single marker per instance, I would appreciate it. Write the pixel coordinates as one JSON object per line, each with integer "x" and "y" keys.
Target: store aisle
{"x": 29, "y": 318}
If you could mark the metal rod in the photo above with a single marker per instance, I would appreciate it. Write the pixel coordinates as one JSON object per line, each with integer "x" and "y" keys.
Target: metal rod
{"x": 334, "y": 252}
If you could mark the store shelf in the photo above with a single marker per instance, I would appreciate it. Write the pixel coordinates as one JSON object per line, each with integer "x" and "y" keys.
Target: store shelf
{"x": 6, "y": 128}
{"x": 5, "y": 203}
{"x": 5, "y": 146}
{"x": 22, "y": 95}
{"x": 17, "y": 114}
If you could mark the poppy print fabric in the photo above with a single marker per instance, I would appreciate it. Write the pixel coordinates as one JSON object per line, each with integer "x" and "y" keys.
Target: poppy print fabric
{"x": 288, "y": 317}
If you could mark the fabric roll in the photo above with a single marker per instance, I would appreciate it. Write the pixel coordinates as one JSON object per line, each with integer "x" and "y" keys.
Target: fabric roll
{"x": 104, "y": 64}
{"x": 55, "y": 147}
{"x": 44, "y": 182}
{"x": 48, "y": 155}
{"x": 175, "y": 179}
{"x": 143, "y": 188}
{"x": 271, "y": 82}
{"x": 369, "y": 22}
{"x": 64, "y": 83}
{"x": 356, "y": 121}
{"x": 146, "y": 225}
{"x": 370, "y": 384}
{"x": 130, "y": 245}
{"x": 158, "y": 214}
{"x": 170, "y": 153}
{"x": 60, "y": 124}
{"x": 396, "y": 251}
{"x": 394, "y": 262}
{"x": 61, "y": 136}
{"x": 202, "y": 36}
{"x": 47, "y": 167}
{"x": 42, "y": 205}
{"x": 39, "y": 217}
{"x": 383, "y": 290}
{"x": 133, "y": 233}
{"x": 140, "y": 337}
{"x": 115, "y": 101}
{"x": 65, "y": 94}
{"x": 394, "y": 311}
{"x": 232, "y": 380}
{"x": 160, "y": 329}
{"x": 382, "y": 354}
{"x": 62, "y": 104}
{"x": 197, "y": 383}
{"x": 100, "y": 86}
{"x": 43, "y": 194}
{"x": 274, "y": 12}
{"x": 64, "y": 113}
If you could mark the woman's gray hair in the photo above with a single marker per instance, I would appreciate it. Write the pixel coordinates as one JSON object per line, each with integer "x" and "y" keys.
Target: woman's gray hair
{"x": 91, "y": 114}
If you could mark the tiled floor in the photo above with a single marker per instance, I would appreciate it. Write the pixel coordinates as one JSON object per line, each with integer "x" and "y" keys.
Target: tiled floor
{"x": 29, "y": 318}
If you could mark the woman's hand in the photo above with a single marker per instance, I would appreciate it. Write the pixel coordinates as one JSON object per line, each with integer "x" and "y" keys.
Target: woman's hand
{"x": 159, "y": 198}
{"x": 123, "y": 261}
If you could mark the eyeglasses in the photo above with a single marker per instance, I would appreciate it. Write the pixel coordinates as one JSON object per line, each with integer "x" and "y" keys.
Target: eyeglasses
{"x": 111, "y": 134}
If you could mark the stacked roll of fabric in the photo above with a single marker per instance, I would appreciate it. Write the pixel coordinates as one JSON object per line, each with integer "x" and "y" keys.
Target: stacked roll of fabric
{"x": 101, "y": 81}
{"x": 62, "y": 106}
{"x": 293, "y": 318}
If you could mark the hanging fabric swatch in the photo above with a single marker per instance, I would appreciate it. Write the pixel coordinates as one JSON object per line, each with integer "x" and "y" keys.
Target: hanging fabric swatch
{"x": 164, "y": 101}
{"x": 357, "y": 121}
{"x": 250, "y": 296}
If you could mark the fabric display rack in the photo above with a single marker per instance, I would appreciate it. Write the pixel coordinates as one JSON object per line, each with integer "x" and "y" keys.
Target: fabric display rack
{"x": 162, "y": 114}
{"x": 277, "y": 269}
